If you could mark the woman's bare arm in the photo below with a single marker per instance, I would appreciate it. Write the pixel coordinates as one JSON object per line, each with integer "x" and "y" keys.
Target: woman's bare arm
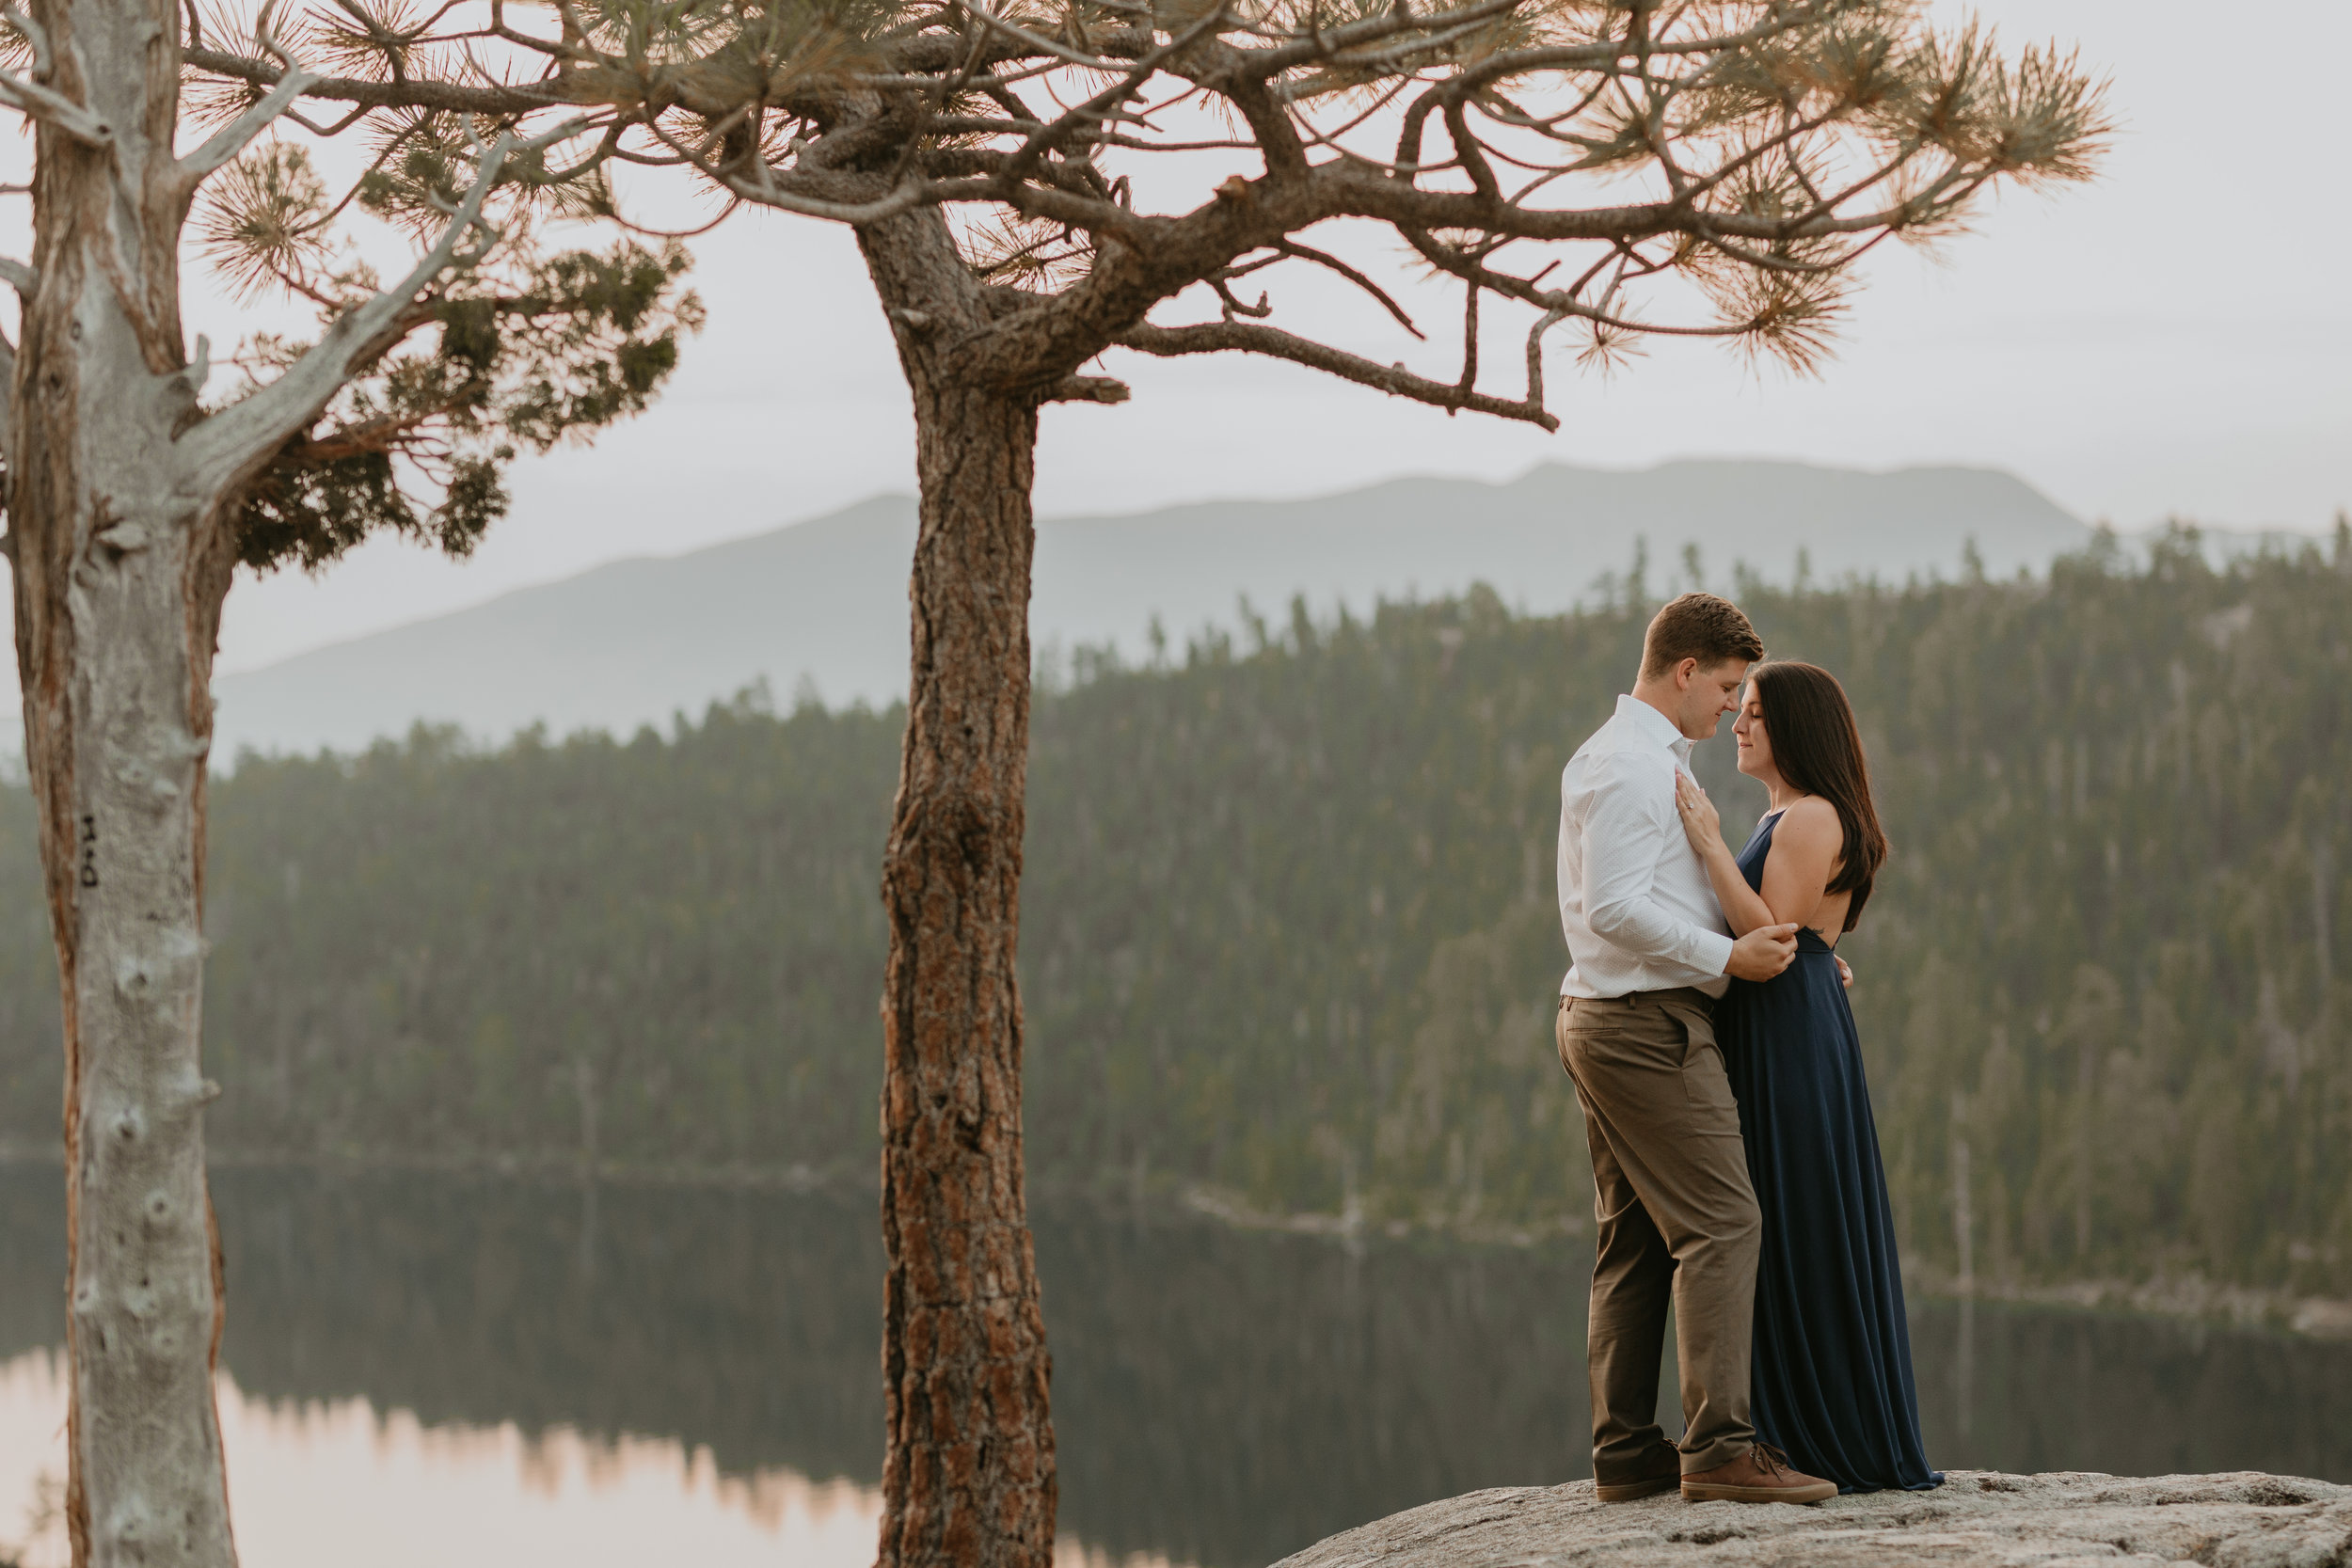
{"x": 1742, "y": 909}
{"x": 1806, "y": 847}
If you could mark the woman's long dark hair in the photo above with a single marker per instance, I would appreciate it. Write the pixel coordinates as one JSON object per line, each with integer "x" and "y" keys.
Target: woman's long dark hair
{"x": 1818, "y": 747}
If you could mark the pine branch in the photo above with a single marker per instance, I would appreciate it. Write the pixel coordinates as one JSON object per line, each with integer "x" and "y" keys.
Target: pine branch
{"x": 234, "y": 137}
{"x": 1271, "y": 343}
{"x": 239, "y": 439}
{"x": 35, "y": 101}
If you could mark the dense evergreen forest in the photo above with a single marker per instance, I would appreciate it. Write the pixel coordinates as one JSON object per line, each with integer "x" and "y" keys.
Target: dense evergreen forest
{"x": 1289, "y": 923}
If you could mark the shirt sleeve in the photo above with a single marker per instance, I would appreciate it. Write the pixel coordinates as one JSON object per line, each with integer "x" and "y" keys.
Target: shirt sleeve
{"x": 1630, "y": 825}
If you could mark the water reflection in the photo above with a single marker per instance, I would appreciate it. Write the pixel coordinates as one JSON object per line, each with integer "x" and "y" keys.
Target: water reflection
{"x": 383, "y": 1490}
{"x": 1220, "y": 1397}
{"x": 2050, "y": 1390}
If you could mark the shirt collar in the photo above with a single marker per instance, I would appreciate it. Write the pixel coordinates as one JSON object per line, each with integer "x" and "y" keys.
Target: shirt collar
{"x": 1656, "y": 726}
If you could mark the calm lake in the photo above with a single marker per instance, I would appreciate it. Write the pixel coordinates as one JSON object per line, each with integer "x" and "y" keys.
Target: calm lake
{"x": 477, "y": 1372}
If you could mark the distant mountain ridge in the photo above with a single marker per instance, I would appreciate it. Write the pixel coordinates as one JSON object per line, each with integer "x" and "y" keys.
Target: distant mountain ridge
{"x": 824, "y": 601}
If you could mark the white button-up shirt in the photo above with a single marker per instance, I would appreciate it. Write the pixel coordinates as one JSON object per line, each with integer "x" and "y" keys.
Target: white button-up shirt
{"x": 1634, "y": 899}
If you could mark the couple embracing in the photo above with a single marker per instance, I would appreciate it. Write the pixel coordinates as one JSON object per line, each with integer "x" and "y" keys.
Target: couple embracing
{"x": 1703, "y": 1023}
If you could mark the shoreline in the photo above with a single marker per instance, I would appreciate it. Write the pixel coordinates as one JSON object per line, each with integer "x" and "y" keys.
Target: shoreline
{"x": 2189, "y": 1298}
{"x": 2180, "y": 1298}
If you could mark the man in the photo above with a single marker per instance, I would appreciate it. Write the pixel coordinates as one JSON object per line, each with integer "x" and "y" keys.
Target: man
{"x": 1649, "y": 953}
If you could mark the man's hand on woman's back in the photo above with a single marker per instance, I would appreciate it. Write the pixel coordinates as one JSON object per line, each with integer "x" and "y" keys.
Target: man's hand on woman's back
{"x": 1763, "y": 952}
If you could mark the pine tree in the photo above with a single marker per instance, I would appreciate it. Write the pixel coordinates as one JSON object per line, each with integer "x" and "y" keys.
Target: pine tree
{"x": 133, "y": 495}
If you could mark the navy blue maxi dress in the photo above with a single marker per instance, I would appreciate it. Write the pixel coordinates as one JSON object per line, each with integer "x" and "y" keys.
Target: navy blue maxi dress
{"x": 1832, "y": 1362}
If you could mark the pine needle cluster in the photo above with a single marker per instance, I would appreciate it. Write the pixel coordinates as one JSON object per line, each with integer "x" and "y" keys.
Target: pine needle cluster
{"x": 523, "y": 345}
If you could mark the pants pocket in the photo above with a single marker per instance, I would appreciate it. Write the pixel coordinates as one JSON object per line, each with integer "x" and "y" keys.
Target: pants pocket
{"x": 1706, "y": 1082}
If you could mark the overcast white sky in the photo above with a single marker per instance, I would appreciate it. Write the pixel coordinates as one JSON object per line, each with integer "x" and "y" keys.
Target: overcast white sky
{"x": 2174, "y": 339}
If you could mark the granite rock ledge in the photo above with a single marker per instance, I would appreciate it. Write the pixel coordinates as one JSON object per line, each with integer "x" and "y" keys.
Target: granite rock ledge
{"x": 2064, "y": 1520}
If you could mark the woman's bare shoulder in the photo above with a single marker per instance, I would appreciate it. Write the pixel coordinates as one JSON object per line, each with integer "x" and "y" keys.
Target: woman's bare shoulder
{"x": 1811, "y": 823}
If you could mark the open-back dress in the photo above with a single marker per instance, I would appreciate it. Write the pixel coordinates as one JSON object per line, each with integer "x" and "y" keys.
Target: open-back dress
{"x": 1832, "y": 1362}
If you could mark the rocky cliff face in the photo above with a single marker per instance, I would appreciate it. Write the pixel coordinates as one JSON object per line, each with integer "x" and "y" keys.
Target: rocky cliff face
{"x": 2067, "y": 1520}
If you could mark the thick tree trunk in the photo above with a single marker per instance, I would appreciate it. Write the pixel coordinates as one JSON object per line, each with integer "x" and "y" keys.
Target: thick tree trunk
{"x": 968, "y": 1477}
{"x": 120, "y": 568}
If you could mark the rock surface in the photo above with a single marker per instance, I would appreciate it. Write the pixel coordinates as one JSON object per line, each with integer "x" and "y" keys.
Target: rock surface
{"x": 2066, "y": 1520}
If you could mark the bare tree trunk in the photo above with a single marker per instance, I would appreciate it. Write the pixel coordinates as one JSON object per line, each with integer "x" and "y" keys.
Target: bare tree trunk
{"x": 122, "y": 497}
{"x": 120, "y": 573}
{"x": 968, "y": 1477}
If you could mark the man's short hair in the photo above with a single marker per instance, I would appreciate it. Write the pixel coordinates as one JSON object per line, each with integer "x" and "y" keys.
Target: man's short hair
{"x": 1700, "y": 627}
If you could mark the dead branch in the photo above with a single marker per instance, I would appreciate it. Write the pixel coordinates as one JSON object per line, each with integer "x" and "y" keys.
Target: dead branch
{"x": 1270, "y": 342}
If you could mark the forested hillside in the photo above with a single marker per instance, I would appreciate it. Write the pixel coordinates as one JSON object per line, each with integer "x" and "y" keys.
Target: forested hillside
{"x": 824, "y": 600}
{"x": 1289, "y": 930}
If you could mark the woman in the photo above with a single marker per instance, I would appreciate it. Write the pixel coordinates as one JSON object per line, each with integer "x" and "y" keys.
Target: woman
{"x": 1832, "y": 1381}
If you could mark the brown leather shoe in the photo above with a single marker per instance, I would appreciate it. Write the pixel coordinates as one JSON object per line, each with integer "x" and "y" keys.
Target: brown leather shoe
{"x": 1761, "y": 1475}
{"x": 1664, "y": 1471}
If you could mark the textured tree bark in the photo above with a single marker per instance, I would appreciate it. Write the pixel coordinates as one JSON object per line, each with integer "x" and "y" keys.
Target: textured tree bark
{"x": 120, "y": 568}
{"x": 968, "y": 1477}
{"x": 122, "y": 500}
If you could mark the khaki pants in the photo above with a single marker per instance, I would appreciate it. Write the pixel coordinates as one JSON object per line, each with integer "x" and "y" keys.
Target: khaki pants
{"x": 1676, "y": 1217}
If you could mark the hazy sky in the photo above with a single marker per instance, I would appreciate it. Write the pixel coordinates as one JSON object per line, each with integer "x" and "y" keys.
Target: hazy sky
{"x": 2136, "y": 348}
